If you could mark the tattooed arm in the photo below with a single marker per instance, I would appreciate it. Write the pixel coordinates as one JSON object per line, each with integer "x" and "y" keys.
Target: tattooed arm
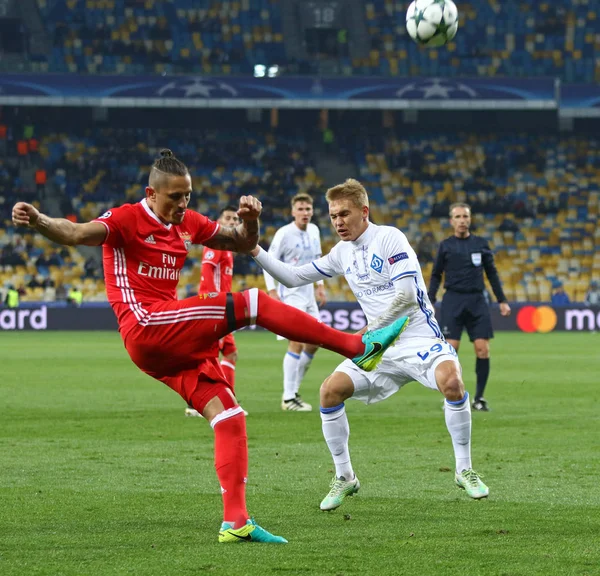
{"x": 58, "y": 230}
{"x": 244, "y": 237}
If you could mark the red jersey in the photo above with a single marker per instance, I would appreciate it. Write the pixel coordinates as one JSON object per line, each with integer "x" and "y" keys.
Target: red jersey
{"x": 217, "y": 270}
{"x": 143, "y": 257}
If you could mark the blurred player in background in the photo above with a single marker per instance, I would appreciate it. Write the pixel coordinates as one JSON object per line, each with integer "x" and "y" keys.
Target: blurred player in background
{"x": 384, "y": 274}
{"x": 592, "y": 296}
{"x": 297, "y": 243}
{"x": 463, "y": 258}
{"x": 175, "y": 341}
{"x": 217, "y": 276}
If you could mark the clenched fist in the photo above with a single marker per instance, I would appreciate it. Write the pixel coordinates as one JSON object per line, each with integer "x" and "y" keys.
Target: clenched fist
{"x": 250, "y": 208}
{"x": 24, "y": 214}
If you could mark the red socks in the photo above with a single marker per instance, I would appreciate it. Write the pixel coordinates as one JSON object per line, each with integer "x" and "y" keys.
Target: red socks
{"x": 228, "y": 368}
{"x": 231, "y": 464}
{"x": 298, "y": 326}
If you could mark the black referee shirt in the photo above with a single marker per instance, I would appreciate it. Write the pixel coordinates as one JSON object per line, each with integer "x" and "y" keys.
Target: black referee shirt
{"x": 463, "y": 261}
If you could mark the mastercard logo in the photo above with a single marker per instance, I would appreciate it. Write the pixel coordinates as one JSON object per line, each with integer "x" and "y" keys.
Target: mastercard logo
{"x": 532, "y": 319}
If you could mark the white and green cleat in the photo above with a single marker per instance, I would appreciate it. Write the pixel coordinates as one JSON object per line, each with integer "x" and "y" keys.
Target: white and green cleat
{"x": 471, "y": 483}
{"x": 340, "y": 488}
{"x": 377, "y": 342}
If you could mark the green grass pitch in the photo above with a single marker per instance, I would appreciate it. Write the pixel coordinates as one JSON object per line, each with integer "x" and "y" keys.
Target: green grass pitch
{"x": 101, "y": 473}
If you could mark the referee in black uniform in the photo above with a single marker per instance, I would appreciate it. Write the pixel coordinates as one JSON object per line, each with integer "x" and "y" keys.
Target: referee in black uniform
{"x": 463, "y": 257}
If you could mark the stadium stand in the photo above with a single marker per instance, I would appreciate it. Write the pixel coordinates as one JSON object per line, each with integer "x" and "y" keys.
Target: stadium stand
{"x": 539, "y": 217}
{"x": 152, "y": 36}
{"x": 533, "y": 195}
{"x": 518, "y": 38}
{"x": 93, "y": 170}
{"x": 513, "y": 38}
{"x": 534, "y": 192}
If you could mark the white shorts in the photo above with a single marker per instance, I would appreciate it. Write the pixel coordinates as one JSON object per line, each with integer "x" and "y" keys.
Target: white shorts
{"x": 410, "y": 360}
{"x": 301, "y": 303}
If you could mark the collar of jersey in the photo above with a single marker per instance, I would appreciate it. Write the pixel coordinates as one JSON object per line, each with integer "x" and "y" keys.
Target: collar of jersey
{"x": 148, "y": 210}
{"x": 365, "y": 237}
{"x": 300, "y": 229}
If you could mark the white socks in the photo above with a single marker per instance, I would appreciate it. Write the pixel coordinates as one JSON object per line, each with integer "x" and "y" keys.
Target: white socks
{"x": 294, "y": 368}
{"x": 290, "y": 372}
{"x": 336, "y": 431}
{"x": 303, "y": 364}
{"x": 458, "y": 422}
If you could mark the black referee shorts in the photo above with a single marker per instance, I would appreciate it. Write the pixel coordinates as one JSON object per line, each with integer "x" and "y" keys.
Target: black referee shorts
{"x": 470, "y": 311}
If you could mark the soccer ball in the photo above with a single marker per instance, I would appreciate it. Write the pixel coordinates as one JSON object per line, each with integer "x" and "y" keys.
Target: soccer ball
{"x": 432, "y": 22}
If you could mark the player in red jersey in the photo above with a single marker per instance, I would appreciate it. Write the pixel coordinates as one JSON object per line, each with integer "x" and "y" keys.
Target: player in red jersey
{"x": 175, "y": 341}
{"x": 216, "y": 276}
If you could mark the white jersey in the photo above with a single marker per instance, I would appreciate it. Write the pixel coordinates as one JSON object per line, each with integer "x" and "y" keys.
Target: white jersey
{"x": 296, "y": 247}
{"x": 371, "y": 265}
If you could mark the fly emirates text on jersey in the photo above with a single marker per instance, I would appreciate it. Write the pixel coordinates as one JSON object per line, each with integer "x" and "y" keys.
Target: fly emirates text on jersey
{"x": 165, "y": 272}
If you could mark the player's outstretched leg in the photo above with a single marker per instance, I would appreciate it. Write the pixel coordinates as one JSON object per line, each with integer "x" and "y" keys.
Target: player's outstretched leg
{"x": 377, "y": 342}
{"x": 365, "y": 351}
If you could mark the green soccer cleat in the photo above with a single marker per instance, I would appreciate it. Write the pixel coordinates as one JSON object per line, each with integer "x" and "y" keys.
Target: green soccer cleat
{"x": 377, "y": 342}
{"x": 340, "y": 488}
{"x": 251, "y": 532}
{"x": 470, "y": 482}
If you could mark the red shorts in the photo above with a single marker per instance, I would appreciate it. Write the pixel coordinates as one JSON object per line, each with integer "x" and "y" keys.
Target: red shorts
{"x": 227, "y": 345}
{"x": 177, "y": 341}
{"x": 200, "y": 384}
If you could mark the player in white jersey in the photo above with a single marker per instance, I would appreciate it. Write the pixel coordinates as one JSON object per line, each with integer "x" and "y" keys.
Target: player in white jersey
{"x": 296, "y": 244}
{"x": 382, "y": 270}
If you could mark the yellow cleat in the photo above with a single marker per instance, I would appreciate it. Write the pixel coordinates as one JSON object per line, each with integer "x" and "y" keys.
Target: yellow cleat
{"x": 251, "y": 532}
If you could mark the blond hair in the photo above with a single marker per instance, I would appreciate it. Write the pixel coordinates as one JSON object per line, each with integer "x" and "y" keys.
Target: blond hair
{"x": 301, "y": 197}
{"x": 458, "y": 205}
{"x": 352, "y": 190}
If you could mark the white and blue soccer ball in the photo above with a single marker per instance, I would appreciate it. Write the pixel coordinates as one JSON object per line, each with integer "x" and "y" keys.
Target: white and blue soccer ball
{"x": 432, "y": 22}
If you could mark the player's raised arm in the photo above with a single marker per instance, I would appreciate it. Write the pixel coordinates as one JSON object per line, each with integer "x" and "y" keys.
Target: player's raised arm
{"x": 58, "y": 230}
{"x": 320, "y": 293}
{"x": 244, "y": 237}
{"x": 293, "y": 276}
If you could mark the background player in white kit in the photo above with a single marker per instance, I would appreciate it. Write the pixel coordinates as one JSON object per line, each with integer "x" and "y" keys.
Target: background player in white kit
{"x": 382, "y": 270}
{"x": 296, "y": 244}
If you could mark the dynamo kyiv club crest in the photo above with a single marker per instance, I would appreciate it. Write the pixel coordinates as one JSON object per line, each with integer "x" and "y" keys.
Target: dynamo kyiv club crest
{"x": 376, "y": 263}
